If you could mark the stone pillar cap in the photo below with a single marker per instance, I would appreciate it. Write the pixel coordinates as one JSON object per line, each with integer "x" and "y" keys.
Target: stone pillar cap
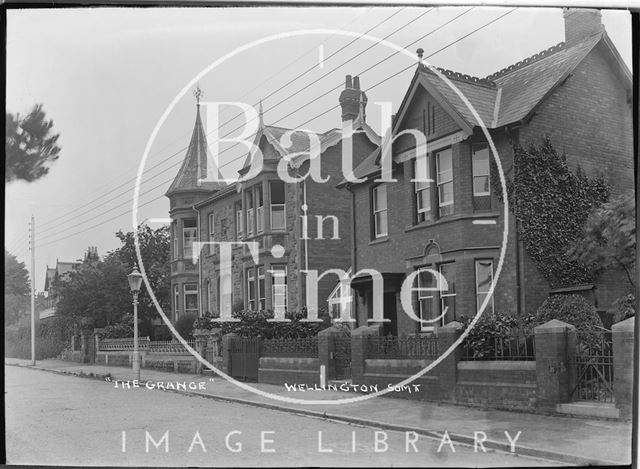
{"x": 555, "y": 325}
{"x": 626, "y": 325}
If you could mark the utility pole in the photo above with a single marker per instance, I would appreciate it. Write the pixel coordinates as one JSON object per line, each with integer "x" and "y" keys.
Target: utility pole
{"x": 32, "y": 248}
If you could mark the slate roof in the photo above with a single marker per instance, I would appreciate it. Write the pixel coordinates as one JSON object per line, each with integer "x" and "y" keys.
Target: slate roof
{"x": 505, "y": 97}
{"x": 194, "y": 165}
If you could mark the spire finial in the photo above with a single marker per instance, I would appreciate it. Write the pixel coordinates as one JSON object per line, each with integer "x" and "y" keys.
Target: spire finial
{"x": 261, "y": 116}
{"x": 420, "y": 53}
{"x": 198, "y": 94}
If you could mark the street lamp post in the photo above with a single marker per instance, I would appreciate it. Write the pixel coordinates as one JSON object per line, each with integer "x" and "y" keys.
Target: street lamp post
{"x": 135, "y": 281}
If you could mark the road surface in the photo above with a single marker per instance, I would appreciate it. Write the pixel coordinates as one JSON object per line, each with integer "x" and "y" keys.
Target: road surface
{"x": 64, "y": 420}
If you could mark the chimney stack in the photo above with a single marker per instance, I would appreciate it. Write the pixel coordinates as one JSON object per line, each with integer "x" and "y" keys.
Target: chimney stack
{"x": 352, "y": 99}
{"x": 581, "y": 23}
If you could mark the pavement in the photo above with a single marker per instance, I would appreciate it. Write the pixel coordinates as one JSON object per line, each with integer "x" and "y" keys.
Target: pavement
{"x": 570, "y": 440}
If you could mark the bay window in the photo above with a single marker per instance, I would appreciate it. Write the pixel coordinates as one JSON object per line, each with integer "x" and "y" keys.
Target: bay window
{"x": 426, "y": 300}
{"x": 262, "y": 301}
{"x": 251, "y": 289}
{"x": 239, "y": 224}
{"x": 448, "y": 297}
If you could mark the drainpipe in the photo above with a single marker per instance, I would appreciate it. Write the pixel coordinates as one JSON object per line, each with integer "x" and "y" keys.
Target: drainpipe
{"x": 298, "y": 246}
{"x": 306, "y": 241}
{"x": 354, "y": 267}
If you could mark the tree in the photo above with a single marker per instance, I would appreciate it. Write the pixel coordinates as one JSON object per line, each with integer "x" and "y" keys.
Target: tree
{"x": 609, "y": 238}
{"x": 16, "y": 288}
{"x": 30, "y": 145}
{"x": 154, "y": 249}
{"x": 97, "y": 294}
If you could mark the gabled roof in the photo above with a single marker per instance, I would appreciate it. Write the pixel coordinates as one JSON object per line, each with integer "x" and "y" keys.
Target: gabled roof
{"x": 505, "y": 97}
{"x": 194, "y": 165}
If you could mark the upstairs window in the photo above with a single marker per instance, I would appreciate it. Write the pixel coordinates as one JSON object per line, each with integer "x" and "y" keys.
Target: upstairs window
{"x": 278, "y": 213}
{"x": 379, "y": 211}
{"x": 239, "y": 224}
{"x": 422, "y": 189}
{"x": 189, "y": 236}
{"x": 259, "y": 209}
{"x": 250, "y": 215}
{"x": 444, "y": 179}
{"x": 212, "y": 232}
{"x": 174, "y": 234}
{"x": 481, "y": 178}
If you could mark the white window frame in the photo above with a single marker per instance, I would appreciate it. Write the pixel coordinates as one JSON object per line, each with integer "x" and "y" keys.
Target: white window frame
{"x": 279, "y": 207}
{"x": 480, "y": 295}
{"x": 440, "y": 182}
{"x": 176, "y": 300}
{"x": 475, "y": 149}
{"x": 424, "y": 213}
{"x": 250, "y": 213}
{"x": 187, "y": 291}
{"x": 447, "y": 295}
{"x": 276, "y": 285}
{"x": 427, "y": 295}
{"x": 259, "y": 195}
{"x": 261, "y": 288}
{"x": 187, "y": 248}
{"x": 251, "y": 278}
{"x": 176, "y": 245}
{"x": 379, "y": 211}
{"x": 212, "y": 231}
{"x": 239, "y": 224}
{"x": 340, "y": 299}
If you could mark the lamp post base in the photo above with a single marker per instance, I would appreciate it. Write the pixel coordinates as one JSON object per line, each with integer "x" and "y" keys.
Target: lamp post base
{"x": 136, "y": 365}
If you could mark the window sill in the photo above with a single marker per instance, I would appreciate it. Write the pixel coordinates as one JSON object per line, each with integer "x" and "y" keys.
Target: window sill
{"x": 451, "y": 218}
{"x": 381, "y": 240}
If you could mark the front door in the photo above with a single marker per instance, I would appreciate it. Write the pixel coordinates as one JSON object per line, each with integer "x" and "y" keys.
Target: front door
{"x": 390, "y": 312}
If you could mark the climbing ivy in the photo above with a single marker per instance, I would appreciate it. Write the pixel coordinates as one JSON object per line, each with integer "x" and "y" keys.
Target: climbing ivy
{"x": 552, "y": 204}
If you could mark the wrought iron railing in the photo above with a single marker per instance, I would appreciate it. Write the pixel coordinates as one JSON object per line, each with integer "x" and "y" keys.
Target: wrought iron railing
{"x": 519, "y": 345}
{"x": 401, "y": 347}
{"x": 118, "y": 345}
{"x": 301, "y": 347}
{"x": 171, "y": 347}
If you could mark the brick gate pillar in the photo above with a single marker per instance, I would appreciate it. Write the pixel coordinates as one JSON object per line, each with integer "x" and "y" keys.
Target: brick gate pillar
{"x": 622, "y": 335}
{"x": 226, "y": 352}
{"x": 555, "y": 350}
{"x": 358, "y": 350}
{"x": 447, "y": 370}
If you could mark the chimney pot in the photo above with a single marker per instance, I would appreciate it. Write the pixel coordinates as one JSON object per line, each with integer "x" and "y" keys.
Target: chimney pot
{"x": 420, "y": 52}
{"x": 356, "y": 83}
{"x": 347, "y": 82}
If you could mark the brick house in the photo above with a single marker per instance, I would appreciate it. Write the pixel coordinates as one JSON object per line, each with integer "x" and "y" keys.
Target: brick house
{"x": 578, "y": 92}
{"x": 268, "y": 211}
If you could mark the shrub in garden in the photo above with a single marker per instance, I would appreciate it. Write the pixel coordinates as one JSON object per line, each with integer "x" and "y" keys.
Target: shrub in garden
{"x": 502, "y": 335}
{"x": 120, "y": 330}
{"x": 184, "y": 325}
{"x": 572, "y": 309}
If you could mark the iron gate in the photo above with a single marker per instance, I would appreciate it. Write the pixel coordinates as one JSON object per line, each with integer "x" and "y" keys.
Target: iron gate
{"x": 593, "y": 367}
{"x": 342, "y": 357}
{"x": 245, "y": 357}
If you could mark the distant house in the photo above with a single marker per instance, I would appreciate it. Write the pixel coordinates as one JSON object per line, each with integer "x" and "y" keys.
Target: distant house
{"x": 578, "y": 92}
{"x": 267, "y": 211}
{"x": 58, "y": 273}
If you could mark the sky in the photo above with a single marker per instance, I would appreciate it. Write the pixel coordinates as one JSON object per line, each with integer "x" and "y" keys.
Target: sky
{"x": 106, "y": 76}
